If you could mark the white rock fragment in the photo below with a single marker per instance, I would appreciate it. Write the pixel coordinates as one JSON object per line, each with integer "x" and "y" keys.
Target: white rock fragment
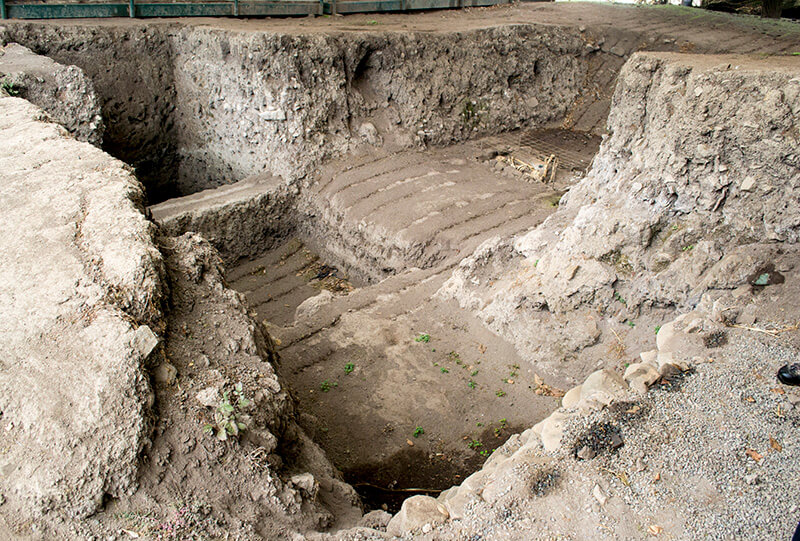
{"x": 599, "y": 495}
{"x": 272, "y": 115}
{"x": 415, "y": 513}
{"x": 600, "y": 388}
{"x": 208, "y": 397}
{"x": 572, "y": 397}
{"x": 144, "y": 341}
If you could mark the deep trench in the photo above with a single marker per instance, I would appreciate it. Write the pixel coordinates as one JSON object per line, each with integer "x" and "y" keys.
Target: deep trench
{"x": 152, "y": 115}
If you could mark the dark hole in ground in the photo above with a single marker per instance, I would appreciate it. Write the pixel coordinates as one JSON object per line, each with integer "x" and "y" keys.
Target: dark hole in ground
{"x": 412, "y": 471}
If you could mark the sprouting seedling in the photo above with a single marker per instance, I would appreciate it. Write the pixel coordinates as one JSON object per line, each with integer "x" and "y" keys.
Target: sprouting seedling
{"x": 423, "y": 337}
{"x": 9, "y": 87}
{"x": 500, "y": 393}
{"x": 225, "y": 416}
{"x": 657, "y": 328}
{"x": 348, "y": 368}
{"x": 418, "y": 431}
{"x": 472, "y": 384}
{"x": 326, "y": 385}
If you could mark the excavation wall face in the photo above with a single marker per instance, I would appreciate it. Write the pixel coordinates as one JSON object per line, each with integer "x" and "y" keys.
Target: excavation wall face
{"x": 64, "y": 92}
{"x": 194, "y": 108}
{"x": 689, "y": 194}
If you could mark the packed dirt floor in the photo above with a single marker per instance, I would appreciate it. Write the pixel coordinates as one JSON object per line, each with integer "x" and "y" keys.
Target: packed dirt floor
{"x": 520, "y": 272}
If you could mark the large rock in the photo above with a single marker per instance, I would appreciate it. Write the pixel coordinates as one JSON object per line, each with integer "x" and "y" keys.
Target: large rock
{"x": 80, "y": 287}
{"x": 64, "y": 92}
{"x": 416, "y": 512}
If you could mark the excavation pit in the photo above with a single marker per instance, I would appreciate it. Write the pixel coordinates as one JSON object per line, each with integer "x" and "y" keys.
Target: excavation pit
{"x": 397, "y": 234}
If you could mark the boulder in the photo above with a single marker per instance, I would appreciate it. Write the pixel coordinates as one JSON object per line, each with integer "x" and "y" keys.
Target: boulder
{"x": 416, "y": 512}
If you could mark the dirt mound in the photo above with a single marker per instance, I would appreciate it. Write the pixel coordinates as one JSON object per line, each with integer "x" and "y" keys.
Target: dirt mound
{"x": 82, "y": 291}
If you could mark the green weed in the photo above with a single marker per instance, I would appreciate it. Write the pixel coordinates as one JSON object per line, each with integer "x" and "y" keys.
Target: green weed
{"x": 225, "y": 416}
{"x": 327, "y": 385}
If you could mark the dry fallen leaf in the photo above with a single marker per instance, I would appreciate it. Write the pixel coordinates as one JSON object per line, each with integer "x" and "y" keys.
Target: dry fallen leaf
{"x": 754, "y": 455}
{"x": 778, "y": 390}
{"x": 657, "y": 477}
{"x": 410, "y": 443}
{"x": 482, "y": 349}
{"x": 634, "y": 409}
{"x": 775, "y": 445}
{"x": 749, "y": 399}
{"x": 544, "y": 389}
{"x": 654, "y": 530}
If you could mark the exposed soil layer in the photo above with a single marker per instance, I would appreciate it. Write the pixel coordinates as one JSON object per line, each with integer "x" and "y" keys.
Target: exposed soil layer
{"x": 388, "y": 262}
{"x": 199, "y": 103}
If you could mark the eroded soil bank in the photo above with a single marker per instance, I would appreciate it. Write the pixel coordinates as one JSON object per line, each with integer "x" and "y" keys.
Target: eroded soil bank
{"x": 214, "y": 444}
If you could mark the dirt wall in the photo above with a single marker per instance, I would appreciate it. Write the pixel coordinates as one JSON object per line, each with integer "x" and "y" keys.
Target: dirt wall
{"x": 690, "y": 193}
{"x": 193, "y": 107}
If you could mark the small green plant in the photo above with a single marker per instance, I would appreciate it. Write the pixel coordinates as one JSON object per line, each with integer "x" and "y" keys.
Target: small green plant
{"x": 536, "y": 263}
{"x": 472, "y": 384}
{"x": 474, "y": 444}
{"x": 455, "y": 357}
{"x": 226, "y": 422}
{"x": 657, "y": 328}
{"x": 631, "y": 324}
{"x": 349, "y": 367}
{"x": 327, "y": 385}
{"x": 372, "y": 22}
{"x": 423, "y": 337}
{"x": 619, "y": 299}
{"x": 471, "y": 113}
{"x": 484, "y": 452}
{"x": 9, "y": 87}
{"x": 500, "y": 393}
{"x": 479, "y": 424}
{"x": 444, "y": 370}
{"x": 418, "y": 431}
{"x": 473, "y": 373}
{"x": 688, "y": 248}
